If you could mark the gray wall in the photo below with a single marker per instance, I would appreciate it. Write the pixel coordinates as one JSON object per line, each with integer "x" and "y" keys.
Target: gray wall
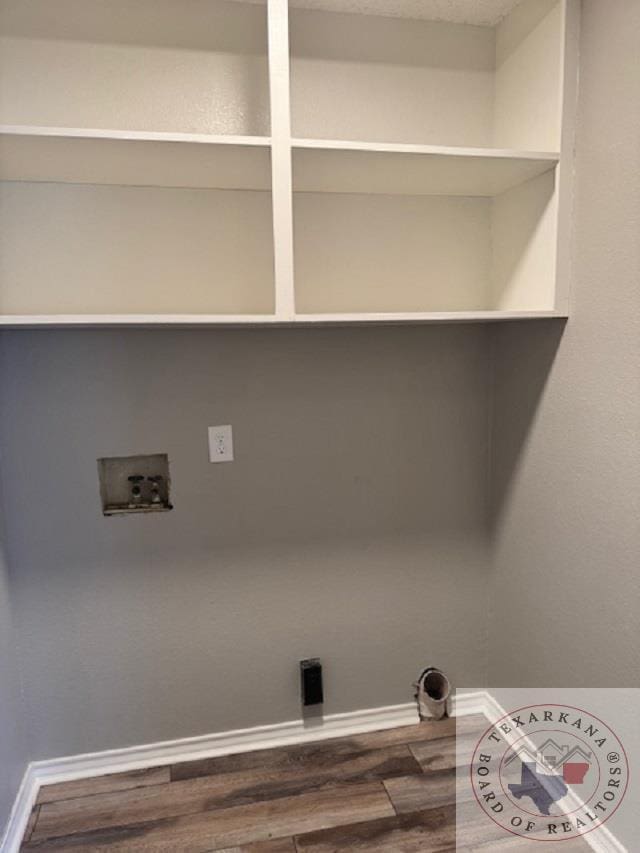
{"x": 565, "y": 597}
{"x": 352, "y": 524}
{"x": 13, "y": 743}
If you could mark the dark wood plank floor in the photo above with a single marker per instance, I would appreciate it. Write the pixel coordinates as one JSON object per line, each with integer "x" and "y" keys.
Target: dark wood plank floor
{"x": 392, "y": 791}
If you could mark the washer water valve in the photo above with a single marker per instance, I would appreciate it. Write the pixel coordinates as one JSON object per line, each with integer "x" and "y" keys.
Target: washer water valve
{"x": 155, "y": 481}
{"x": 136, "y": 489}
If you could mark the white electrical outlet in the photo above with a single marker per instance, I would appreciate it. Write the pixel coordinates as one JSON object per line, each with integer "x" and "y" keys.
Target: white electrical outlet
{"x": 221, "y": 443}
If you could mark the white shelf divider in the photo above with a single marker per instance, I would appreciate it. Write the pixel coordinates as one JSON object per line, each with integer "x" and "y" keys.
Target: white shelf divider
{"x": 130, "y": 158}
{"x": 281, "y": 168}
{"x": 363, "y": 167}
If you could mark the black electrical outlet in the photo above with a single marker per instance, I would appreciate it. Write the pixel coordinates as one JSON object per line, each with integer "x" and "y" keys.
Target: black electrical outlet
{"x": 311, "y": 681}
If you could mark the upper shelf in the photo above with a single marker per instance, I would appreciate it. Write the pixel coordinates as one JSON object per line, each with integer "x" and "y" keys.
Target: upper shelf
{"x": 359, "y": 167}
{"x": 135, "y": 158}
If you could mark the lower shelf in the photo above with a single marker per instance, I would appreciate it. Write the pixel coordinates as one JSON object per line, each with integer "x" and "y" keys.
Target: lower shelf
{"x": 103, "y": 255}
{"x": 425, "y": 317}
{"x": 66, "y": 321}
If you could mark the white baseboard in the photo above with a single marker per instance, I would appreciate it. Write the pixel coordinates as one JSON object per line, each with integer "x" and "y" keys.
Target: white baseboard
{"x": 223, "y": 743}
{"x": 241, "y": 740}
{"x": 19, "y": 817}
{"x": 478, "y": 702}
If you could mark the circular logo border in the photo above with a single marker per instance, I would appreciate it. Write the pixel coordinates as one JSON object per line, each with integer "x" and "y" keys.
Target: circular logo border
{"x": 509, "y": 715}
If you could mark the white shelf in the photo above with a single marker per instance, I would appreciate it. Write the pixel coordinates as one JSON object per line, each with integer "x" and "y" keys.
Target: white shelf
{"x": 361, "y": 167}
{"x": 381, "y": 233}
{"x": 130, "y": 158}
{"x": 68, "y": 321}
{"x": 75, "y": 155}
{"x": 62, "y": 321}
{"x": 426, "y": 317}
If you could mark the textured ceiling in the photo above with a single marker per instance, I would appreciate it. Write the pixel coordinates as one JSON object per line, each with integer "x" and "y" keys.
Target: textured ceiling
{"x": 480, "y": 12}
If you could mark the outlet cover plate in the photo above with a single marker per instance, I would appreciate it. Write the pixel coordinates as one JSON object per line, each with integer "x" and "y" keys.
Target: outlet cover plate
{"x": 221, "y": 443}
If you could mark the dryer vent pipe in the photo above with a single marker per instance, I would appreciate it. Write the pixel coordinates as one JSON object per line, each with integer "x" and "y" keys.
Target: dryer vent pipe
{"x": 434, "y": 694}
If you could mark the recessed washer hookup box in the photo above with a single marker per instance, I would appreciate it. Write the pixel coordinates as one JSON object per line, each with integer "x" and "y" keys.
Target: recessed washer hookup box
{"x": 134, "y": 484}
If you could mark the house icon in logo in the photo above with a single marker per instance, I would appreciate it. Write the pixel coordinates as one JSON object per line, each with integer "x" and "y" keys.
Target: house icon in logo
{"x": 573, "y": 764}
{"x": 552, "y": 754}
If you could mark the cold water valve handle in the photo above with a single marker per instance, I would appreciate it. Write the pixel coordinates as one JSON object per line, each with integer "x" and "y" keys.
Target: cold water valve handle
{"x": 155, "y": 488}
